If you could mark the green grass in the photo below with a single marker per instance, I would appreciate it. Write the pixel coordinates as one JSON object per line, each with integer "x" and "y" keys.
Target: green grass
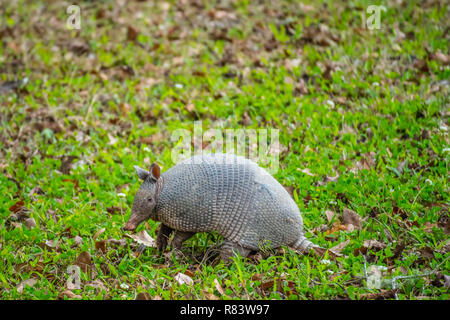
{"x": 371, "y": 106}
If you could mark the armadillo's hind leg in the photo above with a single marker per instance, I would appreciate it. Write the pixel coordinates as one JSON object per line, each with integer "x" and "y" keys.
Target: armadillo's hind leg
{"x": 163, "y": 237}
{"x": 179, "y": 238}
{"x": 229, "y": 249}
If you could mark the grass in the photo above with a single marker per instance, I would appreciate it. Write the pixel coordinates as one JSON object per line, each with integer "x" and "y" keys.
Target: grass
{"x": 365, "y": 111}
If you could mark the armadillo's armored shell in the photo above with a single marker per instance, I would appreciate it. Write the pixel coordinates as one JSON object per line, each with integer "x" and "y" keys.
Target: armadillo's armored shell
{"x": 231, "y": 195}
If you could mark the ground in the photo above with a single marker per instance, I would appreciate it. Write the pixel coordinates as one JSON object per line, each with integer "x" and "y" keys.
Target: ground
{"x": 361, "y": 109}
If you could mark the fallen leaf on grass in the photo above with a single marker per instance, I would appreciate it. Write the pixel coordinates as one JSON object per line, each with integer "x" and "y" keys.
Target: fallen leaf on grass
{"x": 98, "y": 233}
{"x": 66, "y": 164}
{"x": 29, "y": 282}
{"x": 257, "y": 277}
{"x": 17, "y": 206}
{"x": 383, "y": 294}
{"x": 446, "y": 281}
{"x": 84, "y": 261}
{"x": 330, "y": 215}
{"x": 27, "y": 267}
{"x": 157, "y": 137}
{"x": 78, "y": 240}
{"x": 429, "y": 226}
{"x": 68, "y": 294}
{"x": 182, "y": 278}
{"x": 339, "y": 227}
{"x": 29, "y": 223}
{"x": 37, "y": 190}
{"x": 306, "y": 171}
{"x": 117, "y": 243}
{"x": 374, "y": 244}
{"x": 101, "y": 245}
{"x": 421, "y": 65}
{"x": 338, "y": 248}
{"x": 132, "y": 33}
{"x": 98, "y": 285}
{"x": 210, "y": 296}
{"x": 189, "y": 273}
{"x": 219, "y": 287}
{"x": 351, "y": 217}
{"x": 50, "y": 245}
{"x": 439, "y": 56}
{"x": 269, "y": 284}
{"x": 143, "y": 238}
{"x": 143, "y": 296}
{"x": 427, "y": 252}
{"x": 369, "y": 244}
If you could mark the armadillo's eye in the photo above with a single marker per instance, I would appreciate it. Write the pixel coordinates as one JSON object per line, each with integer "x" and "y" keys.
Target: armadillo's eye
{"x": 150, "y": 200}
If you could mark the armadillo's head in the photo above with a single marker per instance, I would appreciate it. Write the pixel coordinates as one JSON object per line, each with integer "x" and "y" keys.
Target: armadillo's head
{"x": 145, "y": 199}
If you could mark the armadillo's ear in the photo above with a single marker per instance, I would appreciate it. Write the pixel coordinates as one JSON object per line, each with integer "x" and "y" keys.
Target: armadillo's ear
{"x": 142, "y": 174}
{"x": 155, "y": 171}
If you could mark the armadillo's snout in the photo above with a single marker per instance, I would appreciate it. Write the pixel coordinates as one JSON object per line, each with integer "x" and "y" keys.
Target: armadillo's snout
{"x": 132, "y": 224}
{"x": 129, "y": 226}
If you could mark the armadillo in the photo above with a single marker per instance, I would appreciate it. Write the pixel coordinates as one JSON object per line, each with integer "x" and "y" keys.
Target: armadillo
{"x": 225, "y": 193}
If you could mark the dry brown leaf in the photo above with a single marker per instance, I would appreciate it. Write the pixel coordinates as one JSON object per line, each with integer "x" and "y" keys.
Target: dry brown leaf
{"x": 210, "y": 296}
{"x": 143, "y": 296}
{"x": 267, "y": 284}
{"x": 257, "y": 277}
{"x": 338, "y": 248}
{"x": 190, "y": 107}
{"x": 17, "y": 206}
{"x": 157, "y": 137}
{"x": 66, "y": 164}
{"x": 383, "y": 294}
{"x": 439, "y": 56}
{"x": 50, "y": 245}
{"x": 374, "y": 244}
{"x": 78, "y": 240}
{"x": 446, "y": 281}
{"x": 189, "y": 273}
{"x": 98, "y": 285}
{"x": 132, "y": 33}
{"x": 68, "y": 294}
{"x": 84, "y": 261}
{"x": 339, "y": 227}
{"x": 98, "y": 233}
{"x": 219, "y": 287}
{"x": 351, "y": 217}
{"x": 29, "y": 282}
{"x": 181, "y": 278}
{"x": 306, "y": 171}
{"x": 101, "y": 245}
{"x": 125, "y": 108}
{"x": 142, "y": 237}
{"x": 429, "y": 226}
{"x": 330, "y": 215}
{"x": 29, "y": 223}
{"x": 427, "y": 252}
{"x": 421, "y": 65}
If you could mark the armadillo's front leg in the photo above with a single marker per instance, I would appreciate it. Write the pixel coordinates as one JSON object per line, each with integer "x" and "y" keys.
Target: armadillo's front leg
{"x": 163, "y": 237}
{"x": 229, "y": 249}
{"x": 179, "y": 238}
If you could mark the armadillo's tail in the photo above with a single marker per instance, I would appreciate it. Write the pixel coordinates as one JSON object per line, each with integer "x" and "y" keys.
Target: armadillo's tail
{"x": 303, "y": 244}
